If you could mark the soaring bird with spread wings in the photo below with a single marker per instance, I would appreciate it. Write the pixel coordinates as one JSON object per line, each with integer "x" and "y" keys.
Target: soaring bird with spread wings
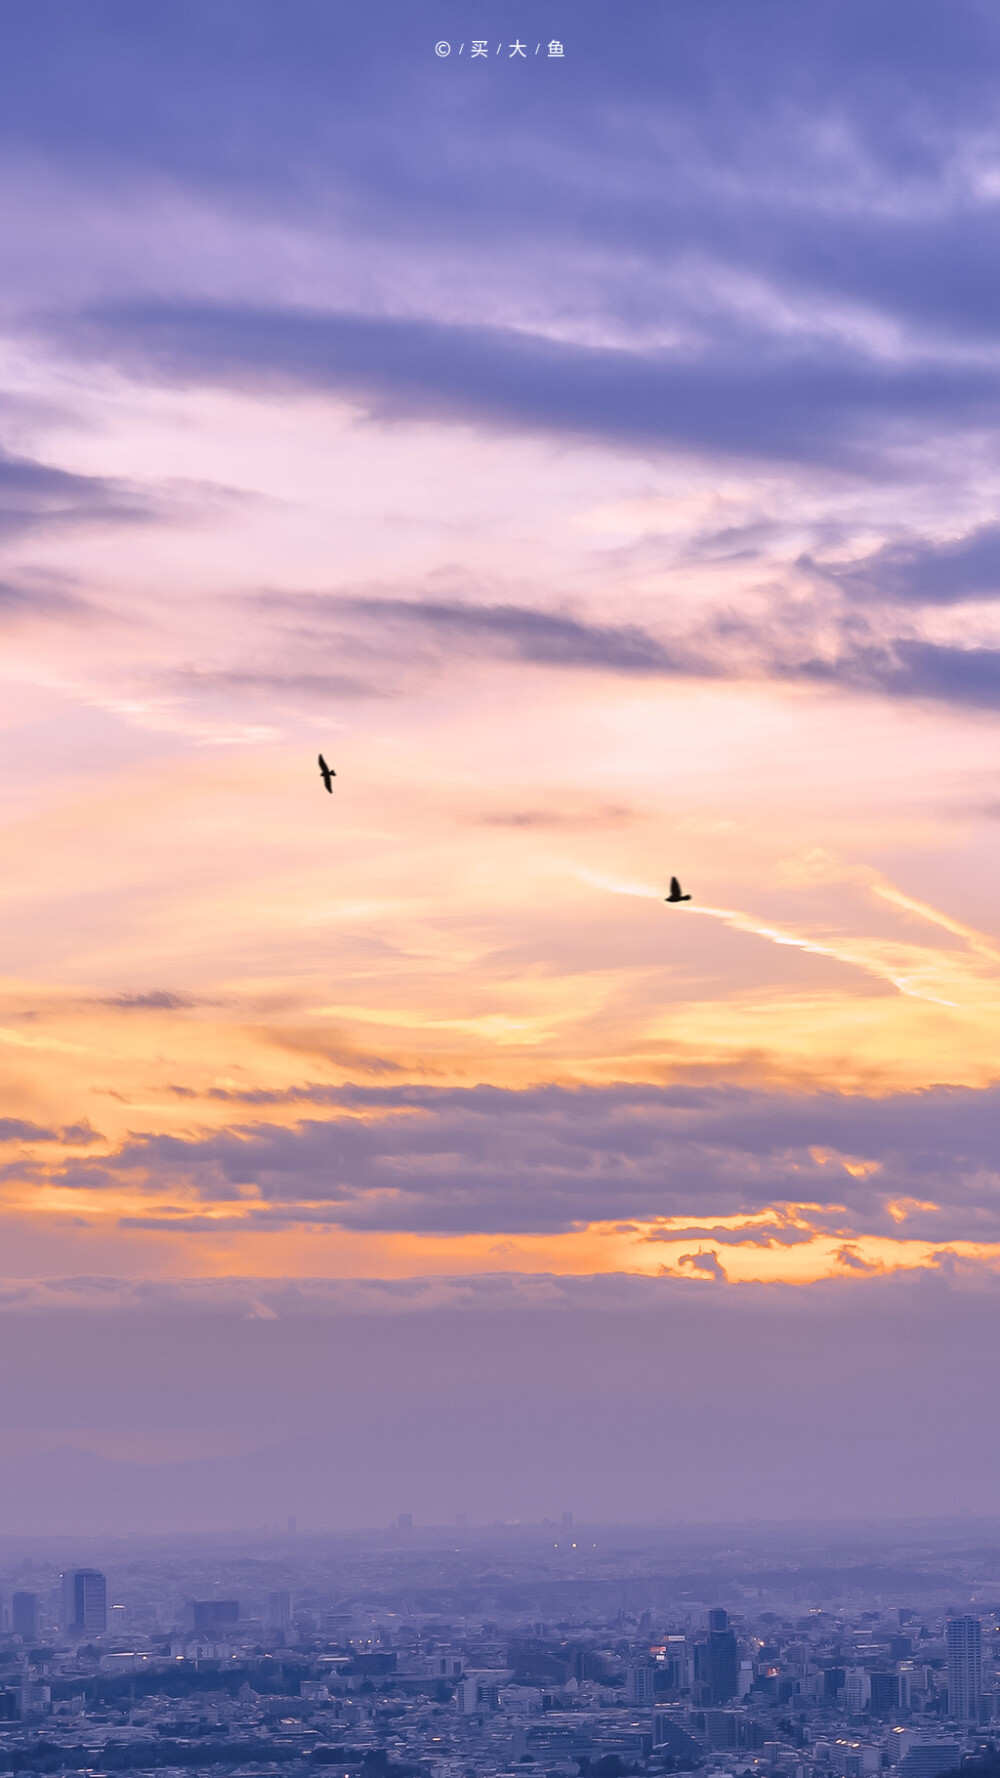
{"x": 675, "y": 892}
{"x": 327, "y": 774}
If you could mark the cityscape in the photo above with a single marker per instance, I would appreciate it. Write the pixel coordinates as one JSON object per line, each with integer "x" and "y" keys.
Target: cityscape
{"x": 500, "y": 828}
{"x": 558, "y": 1649}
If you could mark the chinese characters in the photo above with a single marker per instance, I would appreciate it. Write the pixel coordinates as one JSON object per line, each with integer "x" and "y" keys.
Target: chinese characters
{"x": 480, "y": 49}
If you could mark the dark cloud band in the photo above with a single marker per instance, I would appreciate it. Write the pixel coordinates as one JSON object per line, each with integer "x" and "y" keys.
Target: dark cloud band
{"x": 550, "y": 1159}
{"x": 741, "y": 394}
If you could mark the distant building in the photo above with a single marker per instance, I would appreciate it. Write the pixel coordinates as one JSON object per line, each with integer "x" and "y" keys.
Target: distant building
{"x": 404, "y": 1521}
{"x": 562, "y": 1736}
{"x": 912, "y": 1684}
{"x": 855, "y": 1759}
{"x": 884, "y": 1694}
{"x": 725, "y": 1729}
{"x": 123, "y": 1661}
{"x": 857, "y": 1690}
{"x": 721, "y": 1659}
{"x": 672, "y": 1664}
{"x": 211, "y": 1614}
{"x": 965, "y": 1668}
{"x": 929, "y": 1759}
{"x": 834, "y": 1680}
{"x": 475, "y": 1696}
{"x": 668, "y": 1733}
{"x": 436, "y": 1666}
{"x": 85, "y": 1602}
{"x": 640, "y": 1685}
{"x": 279, "y": 1610}
{"x": 34, "y": 1698}
{"x": 375, "y": 1664}
{"x": 314, "y": 1691}
{"x": 24, "y": 1615}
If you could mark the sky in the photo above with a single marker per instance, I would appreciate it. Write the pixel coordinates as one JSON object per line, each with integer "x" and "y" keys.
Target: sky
{"x": 593, "y": 452}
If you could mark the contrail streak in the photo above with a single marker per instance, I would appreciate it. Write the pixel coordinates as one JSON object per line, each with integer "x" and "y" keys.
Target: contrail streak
{"x": 974, "y": 939}
{"x": 856, "y": 954}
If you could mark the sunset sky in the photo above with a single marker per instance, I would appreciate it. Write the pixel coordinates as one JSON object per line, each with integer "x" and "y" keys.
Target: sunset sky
{"x": 595, "y": 456}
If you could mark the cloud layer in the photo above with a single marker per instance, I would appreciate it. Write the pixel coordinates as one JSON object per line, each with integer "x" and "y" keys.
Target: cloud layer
{"x": 774, "y": 1167}
{"x": 596, "y": 462}
{"x": 748, "y": 396}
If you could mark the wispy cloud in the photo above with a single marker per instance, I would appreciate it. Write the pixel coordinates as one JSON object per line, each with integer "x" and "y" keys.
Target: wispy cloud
{"x": 747, "y": 396}
{"x": 541, "y": 638}
{"x": 837, "y": 648}
{"x": 153, "y": 1000}
{"x": 606, "y": 815}
{"x": 37, "y": 497}
{"x": 921, "y": 571}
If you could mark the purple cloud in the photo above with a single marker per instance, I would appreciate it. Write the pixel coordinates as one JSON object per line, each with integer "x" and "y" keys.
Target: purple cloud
{"x": 547, "y": 1159}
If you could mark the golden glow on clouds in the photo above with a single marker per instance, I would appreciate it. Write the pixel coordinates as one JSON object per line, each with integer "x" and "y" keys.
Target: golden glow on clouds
{"x": 454, "y": 1010}
{"x": 214, "y": 1240}
{"x": 185, "y": 916}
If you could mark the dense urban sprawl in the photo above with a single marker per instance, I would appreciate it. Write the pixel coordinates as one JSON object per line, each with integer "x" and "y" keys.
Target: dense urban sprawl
{"x": 521, "y": 1651}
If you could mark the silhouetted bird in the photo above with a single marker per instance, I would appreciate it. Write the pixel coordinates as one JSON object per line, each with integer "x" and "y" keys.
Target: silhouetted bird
{"x": 327, "y": 774}
{"x": 675, "y": 892}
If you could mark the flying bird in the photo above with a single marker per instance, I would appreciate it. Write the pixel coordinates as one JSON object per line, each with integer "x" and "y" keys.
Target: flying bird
{"x": 327, "y": 774}
{"x": 675, "y": 892}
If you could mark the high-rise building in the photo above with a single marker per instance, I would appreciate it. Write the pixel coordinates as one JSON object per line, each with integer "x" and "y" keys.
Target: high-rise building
{"x": 965, "y": 1668}
{"x": 883, "y": 1693}
{"x": 857, "y": 1690}
{"x": 24, "y": 1615}
{"x": 85, "y": 1602}
{"x": 279, "y": 1610}
{"x": 722, "y": 1660}
{"x": 834, "y": 1679}
{"x": 640, "y": 1685}
{"x": 32, "y": 1696}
